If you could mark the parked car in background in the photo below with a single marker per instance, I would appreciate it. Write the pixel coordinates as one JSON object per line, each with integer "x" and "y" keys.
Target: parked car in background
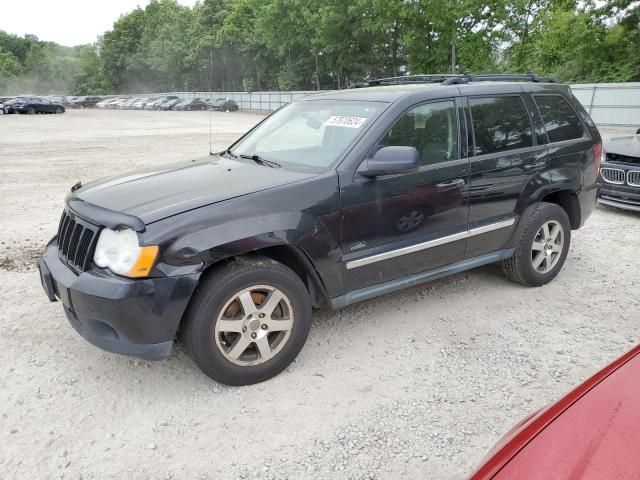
{"x": 380, "y": 178}
{"x": 140, "y": 103}
{"x": 222, "y": 105}
{"x": 85, "y": 102}
{"x": 229, "y": 106}
{"x": 215, "y": 103}
{"x": 120, "y": 103}
{"x": 8, "y": 104}
{"x": 128, "y": 103}
{"x": 155, "y": 105}
{"x": 169, "y": 104}
{"x": 105, "y": 102}
{"x": 33, "y": 105}
{"x": 1, "y": 108}
{"x": 589, "y": 434}
{"x": 67, "y": 101}
{"x": 619, "y": 180}
{"x": 191, "y": 104}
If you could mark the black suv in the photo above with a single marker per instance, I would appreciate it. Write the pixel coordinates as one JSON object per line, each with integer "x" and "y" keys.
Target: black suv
{"x": 334, "y": 199}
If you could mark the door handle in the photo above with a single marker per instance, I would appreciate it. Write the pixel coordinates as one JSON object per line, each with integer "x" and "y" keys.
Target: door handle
{"x": 450, "y": 185}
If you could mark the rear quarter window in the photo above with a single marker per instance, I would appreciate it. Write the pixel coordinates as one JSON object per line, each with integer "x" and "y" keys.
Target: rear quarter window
{"x": 500, "y": 124}
{"x": 560, "y": 119}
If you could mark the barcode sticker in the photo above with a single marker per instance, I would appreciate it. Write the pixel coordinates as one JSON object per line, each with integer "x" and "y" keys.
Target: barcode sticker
{"x": 343, "y": 121}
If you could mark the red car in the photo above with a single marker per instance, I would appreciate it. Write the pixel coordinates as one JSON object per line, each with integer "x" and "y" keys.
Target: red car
{"x": 593, "y": 433}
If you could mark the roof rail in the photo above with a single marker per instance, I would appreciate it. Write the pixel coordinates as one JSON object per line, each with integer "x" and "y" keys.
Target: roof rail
{"x": 453, "y": 79}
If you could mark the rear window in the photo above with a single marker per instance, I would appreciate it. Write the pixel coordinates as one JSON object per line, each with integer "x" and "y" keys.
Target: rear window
{"x": 560, "y": 119}
{"x": 500, "y": 124}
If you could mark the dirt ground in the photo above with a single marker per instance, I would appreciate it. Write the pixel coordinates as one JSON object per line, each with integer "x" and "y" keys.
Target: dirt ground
{"x": 418, "y": 384}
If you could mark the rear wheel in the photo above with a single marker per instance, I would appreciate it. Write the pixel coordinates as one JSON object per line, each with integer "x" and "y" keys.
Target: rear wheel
{"x": 248, "y": 321}
{"x": 543, "y": 247}
{"x": 59, "y": 110}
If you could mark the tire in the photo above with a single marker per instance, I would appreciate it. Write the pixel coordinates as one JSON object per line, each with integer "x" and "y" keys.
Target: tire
{"x": 551, "y": 252}
{"x": 59, "y": 110}
{"x": 216, "y": 304}
{"x": 32, "y": 111}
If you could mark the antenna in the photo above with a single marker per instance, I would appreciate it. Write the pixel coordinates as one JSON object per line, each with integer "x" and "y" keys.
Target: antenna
{"x": 210, "y": 98}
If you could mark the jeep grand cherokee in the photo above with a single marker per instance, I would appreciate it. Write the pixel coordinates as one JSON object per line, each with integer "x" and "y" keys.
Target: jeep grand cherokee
{"x": 334, "y": 199}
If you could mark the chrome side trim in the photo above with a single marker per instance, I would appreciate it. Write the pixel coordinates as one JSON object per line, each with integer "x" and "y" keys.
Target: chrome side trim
{"x": 361, "y": 262}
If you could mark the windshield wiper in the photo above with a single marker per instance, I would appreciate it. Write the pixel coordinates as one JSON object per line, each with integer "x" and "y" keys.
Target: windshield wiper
{"x": 262, "y": 161}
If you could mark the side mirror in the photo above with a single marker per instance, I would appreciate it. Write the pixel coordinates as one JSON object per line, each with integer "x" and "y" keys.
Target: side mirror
{"x": 391, "y": 161}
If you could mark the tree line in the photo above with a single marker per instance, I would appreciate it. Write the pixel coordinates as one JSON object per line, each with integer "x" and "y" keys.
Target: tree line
{"x": 247, "y": 45}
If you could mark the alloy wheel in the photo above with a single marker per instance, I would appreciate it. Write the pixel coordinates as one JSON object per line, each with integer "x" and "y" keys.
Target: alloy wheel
{"x": 547, "y": 247}
{"x": 254, "y": 325}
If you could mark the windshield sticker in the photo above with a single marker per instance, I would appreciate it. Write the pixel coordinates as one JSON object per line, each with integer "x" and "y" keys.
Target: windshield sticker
{"x": 348, "y": 122}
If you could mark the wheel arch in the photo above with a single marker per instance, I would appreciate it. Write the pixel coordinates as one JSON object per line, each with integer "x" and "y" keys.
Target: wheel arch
{"x": 568, "y": 201}
{"x": 290, "y": 256}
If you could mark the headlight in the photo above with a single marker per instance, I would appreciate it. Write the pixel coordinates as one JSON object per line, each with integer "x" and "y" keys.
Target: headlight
{"x": 120, "y": 252}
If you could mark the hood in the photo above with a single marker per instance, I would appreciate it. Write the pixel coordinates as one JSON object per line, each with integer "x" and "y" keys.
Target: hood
{"x": 595, "y": 438}
{"x": 159, "y": 192}
{"x": 628, "y": 146}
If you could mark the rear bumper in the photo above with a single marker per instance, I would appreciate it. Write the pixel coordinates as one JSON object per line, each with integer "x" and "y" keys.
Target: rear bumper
{"x": 130, "y": 317}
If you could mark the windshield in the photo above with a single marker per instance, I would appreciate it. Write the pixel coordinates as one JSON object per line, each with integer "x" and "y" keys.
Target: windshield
{"x": 312, "y": 133}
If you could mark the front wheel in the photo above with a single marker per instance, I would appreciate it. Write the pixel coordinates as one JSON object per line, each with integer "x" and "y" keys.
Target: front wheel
{"x": 31, "y": 111}
{"x": 247, "y": 321}
{"x": 542, "y": 248}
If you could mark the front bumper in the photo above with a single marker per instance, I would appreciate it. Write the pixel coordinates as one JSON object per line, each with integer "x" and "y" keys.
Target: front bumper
{"x": 624, "y": 196}
{"x": 131, "y": 317}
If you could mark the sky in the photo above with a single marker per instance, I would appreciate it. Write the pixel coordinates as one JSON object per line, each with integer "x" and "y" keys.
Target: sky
{"x": 67, "y": 22}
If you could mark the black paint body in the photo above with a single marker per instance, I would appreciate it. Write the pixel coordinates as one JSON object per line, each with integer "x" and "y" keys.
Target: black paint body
{"x": 320, "y": 224}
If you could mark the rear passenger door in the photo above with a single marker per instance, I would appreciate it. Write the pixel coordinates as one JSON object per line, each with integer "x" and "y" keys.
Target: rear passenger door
{"x": 508, "y": 149}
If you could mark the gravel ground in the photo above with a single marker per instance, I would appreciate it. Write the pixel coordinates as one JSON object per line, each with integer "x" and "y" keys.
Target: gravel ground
{"x": 417, "y": 384}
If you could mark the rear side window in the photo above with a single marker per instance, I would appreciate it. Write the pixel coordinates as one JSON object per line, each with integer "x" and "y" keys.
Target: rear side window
{"x": 560, "y": 119}
{"x": 500, "y": 124}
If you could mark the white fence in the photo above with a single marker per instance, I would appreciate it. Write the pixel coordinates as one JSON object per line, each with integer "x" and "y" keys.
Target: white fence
{"x": 266, "y": 101}
{"x": 609, "y": 104}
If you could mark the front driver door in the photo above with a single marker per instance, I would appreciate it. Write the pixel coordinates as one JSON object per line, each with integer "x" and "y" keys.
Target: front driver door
{"x": 397, "y": 225}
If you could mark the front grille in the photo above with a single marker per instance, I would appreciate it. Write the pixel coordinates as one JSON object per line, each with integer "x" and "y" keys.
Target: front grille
{"x": 76, "y": 240}
{"x": 633, "y": 178}
{"x": 616, "y": 157}
{"x": 612, "y": 175}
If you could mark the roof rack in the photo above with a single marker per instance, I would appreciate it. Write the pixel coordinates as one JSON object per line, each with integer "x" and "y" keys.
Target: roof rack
{"x": 453, "y": 79}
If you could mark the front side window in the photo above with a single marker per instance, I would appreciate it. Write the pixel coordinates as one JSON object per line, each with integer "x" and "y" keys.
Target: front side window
{"x": 310, "y": 134}
{"x": 431, "y": 128}
{"x": 560, "y": 119}
{"x": 500, "y": 124}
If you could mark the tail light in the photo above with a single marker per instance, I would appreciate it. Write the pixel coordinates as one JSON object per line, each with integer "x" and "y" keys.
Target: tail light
{"x": 597, "y": 156}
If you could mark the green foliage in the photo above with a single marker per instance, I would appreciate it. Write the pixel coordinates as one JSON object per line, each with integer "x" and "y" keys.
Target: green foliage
{"x": 308, "y": 44}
